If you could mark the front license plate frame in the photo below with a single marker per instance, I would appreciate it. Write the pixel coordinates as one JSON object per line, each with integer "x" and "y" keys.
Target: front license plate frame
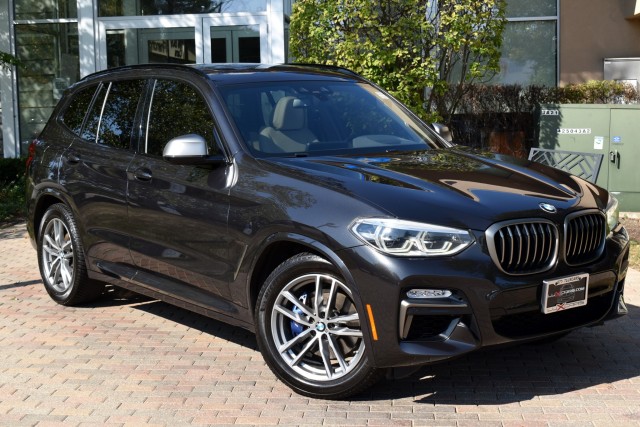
{"x": 565, "y": 293}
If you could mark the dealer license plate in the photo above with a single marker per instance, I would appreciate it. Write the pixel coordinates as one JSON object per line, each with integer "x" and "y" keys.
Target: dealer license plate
{"x": 565, "y": 293}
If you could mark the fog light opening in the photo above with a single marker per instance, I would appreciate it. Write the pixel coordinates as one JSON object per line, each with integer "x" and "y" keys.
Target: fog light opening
{"x": 428, "y": 293}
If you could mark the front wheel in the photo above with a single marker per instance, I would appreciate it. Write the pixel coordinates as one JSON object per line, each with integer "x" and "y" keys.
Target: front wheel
{"x": 309, "y": 330}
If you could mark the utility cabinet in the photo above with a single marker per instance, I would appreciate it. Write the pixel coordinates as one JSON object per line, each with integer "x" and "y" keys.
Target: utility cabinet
{"x": 609, "y": 129}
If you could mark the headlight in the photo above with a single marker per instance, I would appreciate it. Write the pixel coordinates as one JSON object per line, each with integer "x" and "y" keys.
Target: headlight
{"x": 411, "y": 239}
{"x": 612, "y": 213}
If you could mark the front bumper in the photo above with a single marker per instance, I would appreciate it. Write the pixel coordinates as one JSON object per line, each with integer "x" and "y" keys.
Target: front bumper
{"x": 486, "y": 307}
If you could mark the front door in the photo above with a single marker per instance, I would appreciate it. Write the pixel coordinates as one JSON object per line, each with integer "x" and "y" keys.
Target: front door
{"x": 178, "y": 213}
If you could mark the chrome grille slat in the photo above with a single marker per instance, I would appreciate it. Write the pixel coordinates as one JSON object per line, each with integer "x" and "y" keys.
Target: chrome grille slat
{"x": 523, "y": 247}
{"x": 535, "y": 244}
{"x": 585, "y": 237}
{"x": 531, "y": 245}
{"x": 550, "y": 246}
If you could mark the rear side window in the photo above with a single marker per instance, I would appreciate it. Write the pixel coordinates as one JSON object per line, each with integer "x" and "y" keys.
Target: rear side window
{"x": 93, "y": 118}
{"x": 177, "y": 109}
{"x": 110, "y": 121}
{"x": 73, "y": 116}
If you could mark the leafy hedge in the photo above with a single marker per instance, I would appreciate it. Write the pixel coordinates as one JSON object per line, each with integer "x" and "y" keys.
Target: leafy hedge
{"x": 12, "y": 189}
{"x": 512, "y": 111}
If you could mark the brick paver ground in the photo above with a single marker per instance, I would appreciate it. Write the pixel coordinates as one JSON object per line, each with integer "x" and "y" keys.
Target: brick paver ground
{"x": 134, "y": 361}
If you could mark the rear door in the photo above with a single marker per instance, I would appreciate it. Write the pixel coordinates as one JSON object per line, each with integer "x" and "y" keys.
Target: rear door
{"x": 94, "y": 170}
{"x": 178, "y": 213}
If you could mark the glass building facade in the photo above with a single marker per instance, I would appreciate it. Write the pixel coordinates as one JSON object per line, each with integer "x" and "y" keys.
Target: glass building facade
{"x": 60, "y": 41}
{"x": 530, "y": 43}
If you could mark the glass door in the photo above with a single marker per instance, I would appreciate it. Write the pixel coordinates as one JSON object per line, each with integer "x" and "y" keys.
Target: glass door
{"x": 182, "y": 39}
{"x": 152, "y": 39}
{"x": 150, "y": 45}
{"x": 236, "y": 39}
{"x": 235, "y": 44}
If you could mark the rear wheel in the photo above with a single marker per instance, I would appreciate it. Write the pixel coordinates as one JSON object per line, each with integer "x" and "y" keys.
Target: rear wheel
{"x": 309, "y": 330}
{"x": 61, "y": 259}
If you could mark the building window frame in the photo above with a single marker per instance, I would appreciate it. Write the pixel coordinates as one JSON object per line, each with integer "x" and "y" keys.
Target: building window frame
{"x": 546, "y": 18}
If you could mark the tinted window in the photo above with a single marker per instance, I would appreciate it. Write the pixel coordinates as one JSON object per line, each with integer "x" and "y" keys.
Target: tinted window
{"x": 177, "y": 109}
{"x": 304, "y": 116}
{"x": 93, "y": 118}
{"x": 77, "y": 108}
{"x": 118, "y": 114}
{"x": 113, "y": 112}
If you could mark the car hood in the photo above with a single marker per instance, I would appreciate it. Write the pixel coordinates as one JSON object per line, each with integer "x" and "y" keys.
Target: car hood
{"x": 452, "y": 187}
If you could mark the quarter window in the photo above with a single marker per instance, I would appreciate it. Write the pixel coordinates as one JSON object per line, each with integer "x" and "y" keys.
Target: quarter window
{"x": 77, "y": 109}
{"x": 177, "y": 109}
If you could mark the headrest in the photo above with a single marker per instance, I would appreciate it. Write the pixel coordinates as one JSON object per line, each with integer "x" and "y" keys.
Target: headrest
{"x": 289, "y": 114}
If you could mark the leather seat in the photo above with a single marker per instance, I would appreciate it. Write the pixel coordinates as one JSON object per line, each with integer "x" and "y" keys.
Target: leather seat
{"x": 288, "y": 132}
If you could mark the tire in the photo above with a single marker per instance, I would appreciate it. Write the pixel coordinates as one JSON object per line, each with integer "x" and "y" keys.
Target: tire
{"x": 61, "y": 259}
{"x": 315, "y": 346}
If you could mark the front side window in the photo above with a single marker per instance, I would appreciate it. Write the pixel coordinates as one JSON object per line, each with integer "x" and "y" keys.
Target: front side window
{"x": 177, "y": 109}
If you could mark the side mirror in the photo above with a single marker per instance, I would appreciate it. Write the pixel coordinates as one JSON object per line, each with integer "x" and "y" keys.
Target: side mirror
{"x": 190, "y": 149}
{"x": 443, "y": 131}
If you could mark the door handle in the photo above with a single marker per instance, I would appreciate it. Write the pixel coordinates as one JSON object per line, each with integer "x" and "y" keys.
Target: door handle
{"x": 143, "y": 174}
{"x": 618, "y": 158}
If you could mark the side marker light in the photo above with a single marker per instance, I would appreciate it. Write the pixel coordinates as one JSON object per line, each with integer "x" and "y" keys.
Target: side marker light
{"x": 372, "y": 322}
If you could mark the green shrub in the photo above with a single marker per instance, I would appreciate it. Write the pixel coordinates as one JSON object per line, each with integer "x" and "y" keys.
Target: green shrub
{"x": 12, "y": 189}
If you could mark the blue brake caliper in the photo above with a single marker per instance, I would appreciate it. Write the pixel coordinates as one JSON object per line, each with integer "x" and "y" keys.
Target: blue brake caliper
{"x": 297, "y": 328}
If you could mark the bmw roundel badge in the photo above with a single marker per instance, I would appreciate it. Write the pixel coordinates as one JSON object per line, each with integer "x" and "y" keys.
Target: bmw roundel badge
{"x": 548, "y": 208}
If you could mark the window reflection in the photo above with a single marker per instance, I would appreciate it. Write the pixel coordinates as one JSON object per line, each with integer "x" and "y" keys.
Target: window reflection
{"x": 75, "y": 112}
{"x": 50, "y": 9}
{"x": 150, "y": 45}
{"x": 239, "y": 43}
{"x": 528, "y": 8}
{"x": 93, "y": 117}
{"x": 116, "y": 123}
{"x": 529, "y": 54}
{"x": 177, "y": 109}
{"x": 49, "y": 53}
{"x": 172, "y": 7}
{"x": 114, "y": 126}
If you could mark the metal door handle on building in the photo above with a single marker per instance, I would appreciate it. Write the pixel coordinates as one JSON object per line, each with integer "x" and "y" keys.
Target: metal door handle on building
{"x": 614, "y": 157}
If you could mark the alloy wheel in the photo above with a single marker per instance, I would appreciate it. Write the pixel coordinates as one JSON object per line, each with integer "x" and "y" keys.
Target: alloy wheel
{"x": 316, "y": 328}
{"x": 58, "y": 256}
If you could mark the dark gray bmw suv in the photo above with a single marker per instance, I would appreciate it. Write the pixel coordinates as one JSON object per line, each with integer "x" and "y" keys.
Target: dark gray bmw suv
{"x": 305, "y": 204}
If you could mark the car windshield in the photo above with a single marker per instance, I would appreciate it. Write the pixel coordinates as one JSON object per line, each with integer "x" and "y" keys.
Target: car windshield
{"x": 297, "y": 118}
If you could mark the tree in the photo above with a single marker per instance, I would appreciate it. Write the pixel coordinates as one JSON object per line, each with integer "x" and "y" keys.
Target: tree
{"x": 421, "y": 51}
{"x": 7, "y": 60}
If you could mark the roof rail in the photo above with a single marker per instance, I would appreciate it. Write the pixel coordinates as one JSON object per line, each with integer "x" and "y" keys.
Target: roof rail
{"x": 335, "y": 68}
